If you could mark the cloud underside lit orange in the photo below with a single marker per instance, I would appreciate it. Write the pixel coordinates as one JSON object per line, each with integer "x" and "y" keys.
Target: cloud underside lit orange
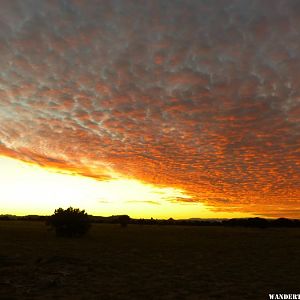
{"x": 198, "y": 96}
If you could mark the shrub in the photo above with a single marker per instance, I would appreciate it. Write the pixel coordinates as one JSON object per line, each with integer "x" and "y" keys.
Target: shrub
{"x": 71, "y": 222}
{"x": 124, "y": 220}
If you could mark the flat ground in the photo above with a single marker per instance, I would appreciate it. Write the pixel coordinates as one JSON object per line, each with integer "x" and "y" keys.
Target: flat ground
{"x": 148, "y": 262}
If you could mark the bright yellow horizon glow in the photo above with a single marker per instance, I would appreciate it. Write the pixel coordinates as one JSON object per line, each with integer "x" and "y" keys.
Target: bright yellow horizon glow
{"x": 30, "y": 189}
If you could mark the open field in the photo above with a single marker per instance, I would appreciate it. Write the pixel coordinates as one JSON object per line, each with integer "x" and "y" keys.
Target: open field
{"x": 148, "y": 262}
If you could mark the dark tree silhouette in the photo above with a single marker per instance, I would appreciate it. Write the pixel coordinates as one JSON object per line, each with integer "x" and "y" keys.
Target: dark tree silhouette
{"x": 71, "y": 222}
{"x": 124, "y": 220}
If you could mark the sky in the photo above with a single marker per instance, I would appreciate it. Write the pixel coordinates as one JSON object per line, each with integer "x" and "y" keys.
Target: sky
{"x": 163, "y": 108}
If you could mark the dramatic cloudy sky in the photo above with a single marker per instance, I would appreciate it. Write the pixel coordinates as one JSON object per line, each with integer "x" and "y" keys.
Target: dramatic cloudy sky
{"x": 199, "y": 95}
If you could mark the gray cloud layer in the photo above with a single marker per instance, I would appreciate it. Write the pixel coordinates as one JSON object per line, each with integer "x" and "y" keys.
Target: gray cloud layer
{"x": 203, "y": 95}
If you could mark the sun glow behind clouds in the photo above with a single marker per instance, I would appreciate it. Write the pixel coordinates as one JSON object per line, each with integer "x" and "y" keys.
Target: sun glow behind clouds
{"x": 30, "y": 189}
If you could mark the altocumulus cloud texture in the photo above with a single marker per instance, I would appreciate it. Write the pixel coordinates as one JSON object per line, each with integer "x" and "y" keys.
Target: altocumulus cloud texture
{"x": 201, "y": 95}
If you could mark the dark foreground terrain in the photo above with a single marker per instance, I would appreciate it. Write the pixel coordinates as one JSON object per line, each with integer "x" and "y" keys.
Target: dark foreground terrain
{"x": 148, "y": 262}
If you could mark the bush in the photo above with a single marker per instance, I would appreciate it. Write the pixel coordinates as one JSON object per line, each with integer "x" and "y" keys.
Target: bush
{"x": 71, "y": 222}
{"x": 124, "y": 220}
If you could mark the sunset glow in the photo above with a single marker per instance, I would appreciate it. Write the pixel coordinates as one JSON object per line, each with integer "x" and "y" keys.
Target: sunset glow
{"x": 29, "y": 189}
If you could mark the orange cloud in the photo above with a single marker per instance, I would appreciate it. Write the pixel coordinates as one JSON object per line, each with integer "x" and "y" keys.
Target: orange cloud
{"x": 200, "y": 96}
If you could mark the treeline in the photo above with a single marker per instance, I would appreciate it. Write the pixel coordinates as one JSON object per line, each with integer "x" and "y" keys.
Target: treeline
{"x": 22, "y": 218}
{"x": 125, "y": 220}
{"x": 262, "y": 223}
{"x": 245, "y": 222}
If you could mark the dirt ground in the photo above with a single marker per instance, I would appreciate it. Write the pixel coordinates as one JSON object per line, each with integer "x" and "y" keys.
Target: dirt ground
{"x": 148, "y": 262}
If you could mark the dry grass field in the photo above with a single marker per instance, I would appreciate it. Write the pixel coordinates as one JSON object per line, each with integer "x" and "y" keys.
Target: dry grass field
{"x": 148, "y": 262}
